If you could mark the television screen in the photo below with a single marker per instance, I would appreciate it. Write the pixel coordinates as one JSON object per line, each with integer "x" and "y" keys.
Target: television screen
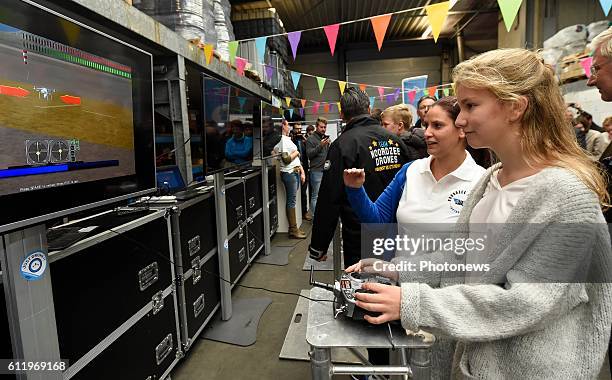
{"x": 76, "y": 117}
{"x": 231, "y": 120}
{"x": 271, "y": 128}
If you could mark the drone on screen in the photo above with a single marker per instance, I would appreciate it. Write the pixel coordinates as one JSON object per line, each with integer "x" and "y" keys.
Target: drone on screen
{"x": 44, "y": 93}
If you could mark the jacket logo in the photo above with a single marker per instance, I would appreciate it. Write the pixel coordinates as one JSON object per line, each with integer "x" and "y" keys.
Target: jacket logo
{"x": 385, "y": 154}
{"x": 456, "y": 200}
{"x": 327, "y": 165}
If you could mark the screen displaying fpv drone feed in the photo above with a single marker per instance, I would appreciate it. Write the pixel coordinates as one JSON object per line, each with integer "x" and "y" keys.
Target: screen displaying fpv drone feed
{"x": 65, "y": 114}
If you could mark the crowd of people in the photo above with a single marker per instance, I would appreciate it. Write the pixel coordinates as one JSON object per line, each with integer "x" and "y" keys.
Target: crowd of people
{"x": 507, "y": 151}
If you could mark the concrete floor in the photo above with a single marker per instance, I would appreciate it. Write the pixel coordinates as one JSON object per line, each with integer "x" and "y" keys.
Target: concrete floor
{"x": 218, "y": 361}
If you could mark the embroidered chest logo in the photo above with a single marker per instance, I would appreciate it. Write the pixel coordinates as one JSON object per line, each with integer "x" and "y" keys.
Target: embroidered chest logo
{"x": 456, "y": 200}
{"x": 385, "y": 154}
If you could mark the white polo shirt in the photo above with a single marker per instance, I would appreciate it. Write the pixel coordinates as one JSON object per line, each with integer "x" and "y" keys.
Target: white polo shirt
{"x": 425, "y": 200}
{"x": 285, "y": 145}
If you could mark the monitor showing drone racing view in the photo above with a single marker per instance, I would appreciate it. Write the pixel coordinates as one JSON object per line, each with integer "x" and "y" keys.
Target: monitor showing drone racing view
{"x": 65, "y": 114}
{"x": 76, "y": 116}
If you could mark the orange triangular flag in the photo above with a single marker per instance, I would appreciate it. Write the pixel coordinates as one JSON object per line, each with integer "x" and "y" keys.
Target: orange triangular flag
{"x": 362, "y": 87}
{"x": 432, "y": 90}
{"x": 436, "y": 15}
{"x": 208, "y": 52}
{"x": 303, "y": 103}
{"x": 380, "y": 24}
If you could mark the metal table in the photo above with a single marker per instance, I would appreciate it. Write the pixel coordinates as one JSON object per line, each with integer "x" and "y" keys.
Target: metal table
{"x": 324, "y": 333}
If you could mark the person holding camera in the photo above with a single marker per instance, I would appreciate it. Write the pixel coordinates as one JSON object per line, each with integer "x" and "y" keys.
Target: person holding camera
{"x": 317, "y": 146}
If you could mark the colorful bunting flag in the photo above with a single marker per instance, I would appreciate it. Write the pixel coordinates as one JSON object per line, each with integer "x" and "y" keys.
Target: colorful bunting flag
{"x": 326, "y": 107}
{"x": 269, "y": 71}
{"x": 509, "y": 9}
{"x": 331, "y": 107}
{"x": 431, "y": 91}
{"x": 232, "y": 46}
{"x": 436, "y": 14}
{"x": 303, "y": 103}
{"x": 362, "y": 87}
{"x": 586, "y": 65}
{"x": 315, "y": 107}
{"x": 294, "y": 41}
{"x": 389, "y": 98}
{"x": 380, "y": 24}
{"x": 260, "y": 45}
{"x": 425, "y": 92}
{"x": 372, "y": 100}
{"x": 331, "y": 31}
{"x": 342, "y": 86}
{"x": 605, "y": 6}
{"x": 396, "y": 94}
{"x": 321, "y": 82}
{"x": 381, "y": 92}
{"x": 295, "y": 77}
{"x": 339, "y": 108}
{"x": 445, "y": 91}
{"x": 290, "y": 113}
{"x": 412, "y": 96}
{"x": 208, "y": 53}
{"x": 288, "y": 101}
{"x": 240, "y": 65}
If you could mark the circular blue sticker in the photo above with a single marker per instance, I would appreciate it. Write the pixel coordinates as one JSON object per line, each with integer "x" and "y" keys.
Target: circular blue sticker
{"x": 33, "y": 266}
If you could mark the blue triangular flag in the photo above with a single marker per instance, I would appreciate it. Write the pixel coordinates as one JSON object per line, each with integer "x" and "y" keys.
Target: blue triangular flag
{"x": 260, "y": 44}
{"x": 295, "y": 77}
{"x": 290, "y": 113}
{"x": 372, "y": 100}
{"x": 605, "y": 6}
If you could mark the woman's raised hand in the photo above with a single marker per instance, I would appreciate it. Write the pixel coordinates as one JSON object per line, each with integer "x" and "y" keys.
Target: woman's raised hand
{"x": 354, "y": 177}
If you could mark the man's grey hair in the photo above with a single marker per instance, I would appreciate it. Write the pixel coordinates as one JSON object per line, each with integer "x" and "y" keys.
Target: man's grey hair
{"x": 603, "y": 43}
{"x": 354, "y": 102}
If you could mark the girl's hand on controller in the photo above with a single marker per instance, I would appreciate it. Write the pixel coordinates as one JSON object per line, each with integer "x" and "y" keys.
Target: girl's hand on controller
{"x": 385, "y": 300}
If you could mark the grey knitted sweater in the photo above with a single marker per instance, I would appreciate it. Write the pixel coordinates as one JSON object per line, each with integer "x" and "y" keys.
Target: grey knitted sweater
{"x": 529, "y": 328}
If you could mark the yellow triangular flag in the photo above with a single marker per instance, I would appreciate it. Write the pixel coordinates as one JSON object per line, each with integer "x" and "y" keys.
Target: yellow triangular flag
{"x": 342, "y": 86}
{"x": 339, "y": 108}
{"x": 288, "y": 101}
{"x": 436, "y": 15}
{"x": 208, "y": 52}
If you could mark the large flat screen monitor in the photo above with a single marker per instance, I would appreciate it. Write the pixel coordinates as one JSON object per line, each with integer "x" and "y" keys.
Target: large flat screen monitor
{"x": 76, "y": 116}
{"x": 231, "y": 120}
{"x": 271, "y": 128}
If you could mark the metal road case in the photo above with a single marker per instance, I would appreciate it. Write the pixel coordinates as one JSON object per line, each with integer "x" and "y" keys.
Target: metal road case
{"x": 238, "y": 255}
{"x": 194, "y": 238}
{"x": 115, "y": 298}
{"x": 273, "y": 205}
{"x": 252, "y": 191}
{"x": 235, "y": 203}
{"x": 255, "y": 242}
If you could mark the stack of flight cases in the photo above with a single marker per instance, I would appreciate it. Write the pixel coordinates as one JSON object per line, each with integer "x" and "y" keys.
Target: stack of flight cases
{"x": 194, "y": 237}
{"x": 115, "y": 298}
{"x": 244, "y": 219}
{"x": 272, "y": 200}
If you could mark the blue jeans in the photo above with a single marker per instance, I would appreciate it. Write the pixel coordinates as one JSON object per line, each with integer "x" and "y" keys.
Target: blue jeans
{"x": 291, "y": 182}
{"x": 315, "y": 182}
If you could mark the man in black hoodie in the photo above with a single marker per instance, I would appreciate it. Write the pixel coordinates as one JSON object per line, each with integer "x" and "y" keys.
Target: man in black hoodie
{"x": 362, "y": 144}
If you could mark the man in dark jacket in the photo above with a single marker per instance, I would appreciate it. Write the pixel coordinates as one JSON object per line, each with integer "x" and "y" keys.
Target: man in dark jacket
{"x": 362, "y": 144}
{"x": 317, "y": 146}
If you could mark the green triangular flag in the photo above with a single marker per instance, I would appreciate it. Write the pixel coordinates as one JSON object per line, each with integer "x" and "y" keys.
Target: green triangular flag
{"x": 425, "y": 92}
{"x": 321, "y": 82}
{"x": 233, "y": 49}
{"x": 446, "y": 91}
{"x": 509, "y": 10}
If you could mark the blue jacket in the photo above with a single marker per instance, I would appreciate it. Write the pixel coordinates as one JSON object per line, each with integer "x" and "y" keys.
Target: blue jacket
{"x": 239, "y": 151}
{"x": 384, "y": 210}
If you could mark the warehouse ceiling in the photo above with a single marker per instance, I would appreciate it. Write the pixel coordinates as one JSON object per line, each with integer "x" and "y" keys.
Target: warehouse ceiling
{"x": 477, "y": 18}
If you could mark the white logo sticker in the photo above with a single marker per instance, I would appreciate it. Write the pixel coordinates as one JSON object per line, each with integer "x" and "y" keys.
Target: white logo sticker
{"x": 33, "y": 266}
{"x": 456, "y": 200}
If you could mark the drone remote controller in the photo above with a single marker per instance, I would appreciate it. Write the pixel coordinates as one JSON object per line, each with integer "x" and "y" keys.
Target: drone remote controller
{"x": 344, "y": 293}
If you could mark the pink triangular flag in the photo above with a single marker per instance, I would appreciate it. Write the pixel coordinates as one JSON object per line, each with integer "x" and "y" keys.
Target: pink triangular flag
{"x": 294, "y": 41}
{"x": 381, "y": 92}
{"x": 331, "y": 31}
{"x": 380, "y": 24}
{"x": 412, "y": 95}
{"x": 586, "y": 65}
{"x": 240, "y": 65}
{"x": 315, "y": 108}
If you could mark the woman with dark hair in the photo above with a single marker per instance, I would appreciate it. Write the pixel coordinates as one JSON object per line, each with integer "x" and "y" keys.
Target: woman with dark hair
{"x": 446, "y": 177}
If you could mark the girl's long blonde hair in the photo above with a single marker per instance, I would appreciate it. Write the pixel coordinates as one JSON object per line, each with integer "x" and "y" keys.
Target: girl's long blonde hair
{"x": 547, "y": 138}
